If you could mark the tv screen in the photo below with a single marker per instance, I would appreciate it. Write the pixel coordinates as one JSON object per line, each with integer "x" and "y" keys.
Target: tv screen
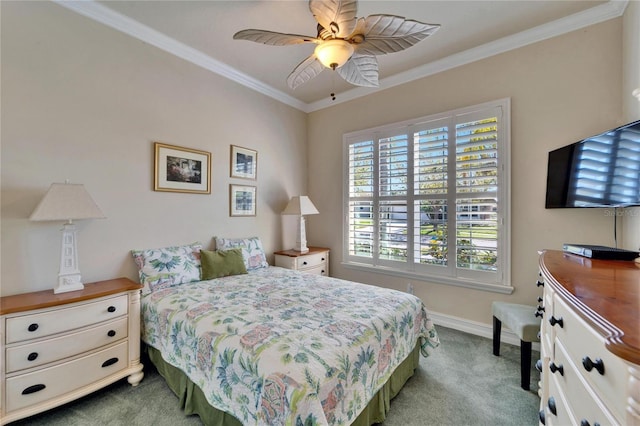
{"x": 600, "y": 171}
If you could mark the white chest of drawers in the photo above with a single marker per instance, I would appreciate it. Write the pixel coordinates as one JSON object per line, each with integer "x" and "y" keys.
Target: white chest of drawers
{"x": 590, "y": 350}
{"x": 56, "y": 348}
{"x": 316, "y": 261}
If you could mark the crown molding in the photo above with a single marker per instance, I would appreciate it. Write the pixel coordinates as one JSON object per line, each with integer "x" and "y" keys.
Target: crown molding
{"x": 93, "y": 10}
{"x": 117, "y": 21}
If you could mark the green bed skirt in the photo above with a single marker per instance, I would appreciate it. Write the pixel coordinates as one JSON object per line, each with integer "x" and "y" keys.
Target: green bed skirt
{"x": 193, "y": 401}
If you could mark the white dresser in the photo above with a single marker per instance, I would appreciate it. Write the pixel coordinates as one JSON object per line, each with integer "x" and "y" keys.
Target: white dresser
{"x": 316, "y": 261}
{"x": 590, "y": 341}
{"x": 59, "y": 347}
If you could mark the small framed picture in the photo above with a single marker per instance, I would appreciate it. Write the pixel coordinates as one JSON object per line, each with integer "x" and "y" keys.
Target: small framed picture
{"x": 244, "y": 162}
{"x": 179, "y": 169}
{"x": 242, "y": 200}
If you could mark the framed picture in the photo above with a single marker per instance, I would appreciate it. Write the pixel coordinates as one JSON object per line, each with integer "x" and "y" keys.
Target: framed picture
{"x": 244, "y": 162}
{"x": 179, "y": 169}
{"x": 242, "y": 200}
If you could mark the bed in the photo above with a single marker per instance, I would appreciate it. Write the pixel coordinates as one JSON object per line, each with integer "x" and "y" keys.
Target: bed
{"x": 272, "y": 346}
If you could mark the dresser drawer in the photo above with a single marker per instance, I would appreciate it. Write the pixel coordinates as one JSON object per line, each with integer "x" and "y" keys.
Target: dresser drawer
{"x": 581, "y": 341}
{"x": 50, "y": 322}
{"x": 587, "y": 406}
{"x": 311, "y": 261}
{"x": 38, "y": 353}
{"x": 556, "y": 399}
{"x": 32, "y": 388}
{"x": 318, "y": 270}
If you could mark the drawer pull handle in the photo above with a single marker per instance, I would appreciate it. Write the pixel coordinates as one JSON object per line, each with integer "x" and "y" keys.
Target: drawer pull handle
{"x": 585, "y": 422}
{"x": 541, "y": 417}
{"x": 111, "y": 309}
{"x": 538, "y": 314}
{"x": 540, "y": 299}
{"x": 323, "y": 259}
{"x": 539, "y": 283}
{"x": 552, "y": 406}
{"x": 111, "y": 333}
{"x": 559, "y": 368}
{"x": 553, "y": 321}
{"x": 540, "y": 308}
{"x": 323, "y": 271}
{"x": 33, "y": 389}
{"x": 539, "y": 365}
{"x": 32, "y": 356}
{"x": 304, "y": 263}
{"x": 589, "y": 365}
{"x": 33, "y": 327}
{"x": 109, "y": 362}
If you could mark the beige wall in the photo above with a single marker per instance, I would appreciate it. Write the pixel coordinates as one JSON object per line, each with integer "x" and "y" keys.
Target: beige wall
{"x": 83, "y": 102}
{"x": 631, "y": 105}
{"x": 561, "y": 90}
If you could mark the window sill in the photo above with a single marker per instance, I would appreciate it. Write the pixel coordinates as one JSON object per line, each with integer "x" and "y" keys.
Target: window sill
{"x": 494, "y": 288}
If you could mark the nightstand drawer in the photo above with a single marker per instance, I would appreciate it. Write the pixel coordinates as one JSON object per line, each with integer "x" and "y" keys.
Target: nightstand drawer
{"x": 50, "y": 322}
{"x": 310, "y": 261}
{"x": 29, "y": 355}
{"x": 32, "y": 388}
{"x": 318, "y": 270}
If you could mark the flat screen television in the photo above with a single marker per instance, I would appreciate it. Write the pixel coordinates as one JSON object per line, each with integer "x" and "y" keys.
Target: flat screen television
{"x": 600, "y": 171}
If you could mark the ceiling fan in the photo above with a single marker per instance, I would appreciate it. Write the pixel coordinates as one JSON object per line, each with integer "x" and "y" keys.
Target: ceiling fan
{"x": 345, "y": 43}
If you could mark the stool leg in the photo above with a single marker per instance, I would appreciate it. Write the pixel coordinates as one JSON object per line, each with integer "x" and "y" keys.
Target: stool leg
{"x": 525, "y": 364}
{"x": 497, "y": 328}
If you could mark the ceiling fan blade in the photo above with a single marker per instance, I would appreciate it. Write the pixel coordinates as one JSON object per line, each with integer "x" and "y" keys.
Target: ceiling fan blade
{"x": 360, "y": 70}
{"x": 273, "y": 38}
{"x": 305, "y": 71}
{"x": 387, "y": 34}
{"x": 340, "y": 13}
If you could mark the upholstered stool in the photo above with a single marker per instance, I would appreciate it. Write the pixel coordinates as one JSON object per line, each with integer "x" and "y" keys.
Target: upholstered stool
{"x": 522, "y": 321}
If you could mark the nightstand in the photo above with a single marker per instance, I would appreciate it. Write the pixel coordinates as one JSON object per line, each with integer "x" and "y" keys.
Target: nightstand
{"x": 316, "y": 261}
{"x": 59, "y": 347}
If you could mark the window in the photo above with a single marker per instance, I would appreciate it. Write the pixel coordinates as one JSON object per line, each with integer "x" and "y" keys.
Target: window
{"x": 428, "y": 198}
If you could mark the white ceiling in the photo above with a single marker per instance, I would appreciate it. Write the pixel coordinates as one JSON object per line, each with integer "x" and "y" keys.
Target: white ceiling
{"x": 202, "y": 31}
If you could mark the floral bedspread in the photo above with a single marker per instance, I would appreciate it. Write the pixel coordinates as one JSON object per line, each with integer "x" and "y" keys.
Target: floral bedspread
{"x": 278, "y": 347}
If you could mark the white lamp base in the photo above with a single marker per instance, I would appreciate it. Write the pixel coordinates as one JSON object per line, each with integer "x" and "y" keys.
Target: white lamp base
{"x": 68, "y": 283}
{"x": 69, "y": 278}
{"x": 301, "y": 237}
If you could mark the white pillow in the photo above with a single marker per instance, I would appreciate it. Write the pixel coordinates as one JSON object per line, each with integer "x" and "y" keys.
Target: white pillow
{"x": 168, "y": 266}
{"x": 252, "y": 251}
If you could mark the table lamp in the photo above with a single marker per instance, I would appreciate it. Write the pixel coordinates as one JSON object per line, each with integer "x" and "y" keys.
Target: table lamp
{"x": 67, "y": 202}
{"x": 300, "y": 205}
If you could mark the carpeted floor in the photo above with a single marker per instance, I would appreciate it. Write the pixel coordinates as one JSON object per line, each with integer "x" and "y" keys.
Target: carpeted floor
{"x": 460, "y": 384}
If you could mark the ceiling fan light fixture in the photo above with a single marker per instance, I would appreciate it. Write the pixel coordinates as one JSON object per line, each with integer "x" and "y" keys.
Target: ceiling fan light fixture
{"x": 334, "y": 53}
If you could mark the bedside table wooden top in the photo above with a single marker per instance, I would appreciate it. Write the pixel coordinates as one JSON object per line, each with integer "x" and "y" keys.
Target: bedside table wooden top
{"x": 46, "y": 298}
{"x": 293, "y": 253}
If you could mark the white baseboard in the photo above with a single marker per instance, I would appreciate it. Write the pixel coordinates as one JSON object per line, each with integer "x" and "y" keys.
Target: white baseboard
{"x": 477, "y": 328}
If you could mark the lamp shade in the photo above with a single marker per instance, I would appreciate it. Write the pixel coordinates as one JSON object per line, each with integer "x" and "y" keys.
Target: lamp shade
{"x": 334, "y": 53}
{"x": 66, "y": 201}
{"x": 300, "y": 205}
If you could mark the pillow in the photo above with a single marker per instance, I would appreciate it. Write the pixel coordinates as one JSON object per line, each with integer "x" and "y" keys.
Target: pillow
{"x": 168, "y": 266}
{"x": 252, "y": 251}
{"x": 221, "y": 263}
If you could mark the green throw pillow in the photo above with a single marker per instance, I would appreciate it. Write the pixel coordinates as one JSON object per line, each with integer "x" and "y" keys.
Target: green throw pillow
{"x": 221, "y": 263}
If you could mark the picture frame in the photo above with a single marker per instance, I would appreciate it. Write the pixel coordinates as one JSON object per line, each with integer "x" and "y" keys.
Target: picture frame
{"x": 244, "y": 163}
{"x": 180, "y": 169}
{"x": 242, "y": 200}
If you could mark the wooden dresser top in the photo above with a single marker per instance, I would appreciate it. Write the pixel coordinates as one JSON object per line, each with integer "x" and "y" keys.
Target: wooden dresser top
{"x": 606, "y": 293}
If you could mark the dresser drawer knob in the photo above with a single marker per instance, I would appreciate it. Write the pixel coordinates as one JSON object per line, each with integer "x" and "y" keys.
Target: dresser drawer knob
{"x": 540, "y": 299}
{"x": 33, "y": 327}
{"x": 539, "y": 314}
{"x": 553, "y": 321}
{"x": 539, "y": 365}
{"x": 539, "y": 283}
{"x": 111, "y": 309}
{"x": 585, "y": 422}
{"x": 111, "y": 333}
{"x": 304, "y": 263}
{"x": 589, "y": 365}
{"x": 32, "y": 356}
{"x": 33, "y": 389}
{"x": 323, "y": 259}
{"x": 552, "y": 405}
{"x": 559, "y": 368}
{"x": 109, "y": 362}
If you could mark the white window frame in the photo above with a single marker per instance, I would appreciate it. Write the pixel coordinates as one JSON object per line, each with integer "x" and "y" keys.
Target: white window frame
{"x": 499, "y": 281}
